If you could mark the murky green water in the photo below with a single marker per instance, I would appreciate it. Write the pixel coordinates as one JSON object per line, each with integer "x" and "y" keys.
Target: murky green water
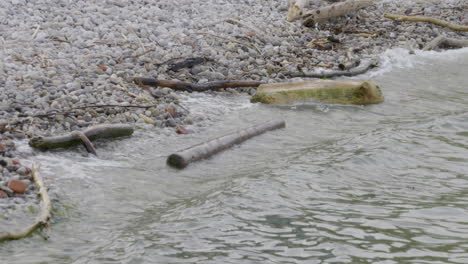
{"x": 386, "y": 183}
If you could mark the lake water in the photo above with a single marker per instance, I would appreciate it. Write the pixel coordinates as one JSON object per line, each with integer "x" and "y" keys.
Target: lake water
{"x": 379, "y": 184}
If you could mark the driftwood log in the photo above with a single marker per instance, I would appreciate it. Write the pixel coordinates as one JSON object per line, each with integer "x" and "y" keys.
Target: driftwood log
{"x": 191, "y": 87}
{"x": 73, "y": 138}
{"x": 363, "y": 68}
{"x": 44, "y": 215}
{"x": 426, "y": 19}
{"x": 339, "y": 92}
{"x": 442, "y": 41}
{"x": 204, "y": 150}
{"x": 312, "y": 16}
{"x": 296, "y": 7}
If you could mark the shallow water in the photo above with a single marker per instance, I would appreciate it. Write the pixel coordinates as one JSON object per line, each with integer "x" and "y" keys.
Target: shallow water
{"x": 385, "y": 183}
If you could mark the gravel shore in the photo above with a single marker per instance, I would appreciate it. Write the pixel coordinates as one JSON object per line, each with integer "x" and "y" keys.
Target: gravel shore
{"x": 61, "y": 56}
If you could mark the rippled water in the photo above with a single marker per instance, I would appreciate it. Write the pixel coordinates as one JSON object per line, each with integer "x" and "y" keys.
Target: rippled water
{"x": 386, "y": 183}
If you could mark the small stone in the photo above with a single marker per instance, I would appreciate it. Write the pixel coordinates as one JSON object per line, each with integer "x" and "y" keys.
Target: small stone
{"x": 183, "y": 131}
{"x": 6, "y": 190}
{"x": 22, "y": 171}
{"x": 3, "y": 194}
{"x": 17, "y": 186}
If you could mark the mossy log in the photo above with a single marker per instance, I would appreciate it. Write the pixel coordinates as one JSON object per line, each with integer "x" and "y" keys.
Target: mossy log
{"x": 45, "y": 213}
{"x": 339, "y": 92}
{"x": 72, "y": 139}
{"x": 204, "y": 150}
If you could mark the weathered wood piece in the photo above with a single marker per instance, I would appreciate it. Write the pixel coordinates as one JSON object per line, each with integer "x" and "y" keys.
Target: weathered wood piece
{"x": 86, "y": 142}
{"x": 340, "y": 92}
{"x": 45, "y": 213}
{"x": 313, "y": 16}
{"x": 191, "y": 87}
{"x": 204, "y": 150}
{"x": 71, "y": 139}
{"x": 296, "y": 7}
{"x": 361, "y": 69}
{"x": 442, "y": 41}
{"x": 426, "y": 19}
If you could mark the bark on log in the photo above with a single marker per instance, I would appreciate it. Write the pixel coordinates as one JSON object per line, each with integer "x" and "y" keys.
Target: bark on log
{"x": 442, "y": 41}
{"x": 426, "y": 19}
{"x": 45, "y": 213}
{"x": 185, "y": 86}
{"x": 361, "y": 69}
{"x": 71, "y": 139}
{"x": 313, "y": 16}
{"x": 340, "y": 92}
{"x": 204, "y": 150}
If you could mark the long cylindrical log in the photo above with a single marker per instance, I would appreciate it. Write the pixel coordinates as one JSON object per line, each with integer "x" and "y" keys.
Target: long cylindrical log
{"x": 71, "y": 139}
{"x": 426, "y": 19}
{"x": 185, "y": 86}
{"x": 204, "y": 150}
{"x": 313, "y": 16}
{"x": 44, "y": 215}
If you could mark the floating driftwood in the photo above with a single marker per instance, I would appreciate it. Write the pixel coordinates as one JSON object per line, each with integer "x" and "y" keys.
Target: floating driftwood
{"x": 204, "y": 150}
{"x": 426, "y": 19}
{"x": 42, "y": 218}
{"x": 442, "y": 41}
{"x": 192, "y": 87}
{"x": 73, "y": 138}
{"x": 340, "y": 92}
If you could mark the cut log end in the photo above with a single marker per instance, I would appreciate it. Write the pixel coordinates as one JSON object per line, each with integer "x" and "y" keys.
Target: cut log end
{"x": 177, "y": 161}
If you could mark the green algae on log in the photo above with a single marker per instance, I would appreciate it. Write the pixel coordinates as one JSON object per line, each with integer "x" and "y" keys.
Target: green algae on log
{"x": 338, "y": 92}
{"x": 72, "y": 139}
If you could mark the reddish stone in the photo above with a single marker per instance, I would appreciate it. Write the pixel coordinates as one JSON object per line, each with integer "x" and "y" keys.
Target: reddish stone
{"x": 170, "y": 110}
{"x": 2, "y": 148}
{"x": 3, "y": 194}
{"x": 17, "y": 186}
{"x": 15, "y": 162}
{"x": 102, "y": 67}
{"x": 182, "y": 130}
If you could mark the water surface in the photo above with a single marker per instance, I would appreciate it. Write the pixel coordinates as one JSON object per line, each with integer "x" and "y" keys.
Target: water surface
{"x": 385, "y": 184}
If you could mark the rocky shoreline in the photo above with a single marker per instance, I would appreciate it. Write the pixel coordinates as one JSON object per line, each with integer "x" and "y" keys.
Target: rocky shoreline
{"x": 68, "y": 65}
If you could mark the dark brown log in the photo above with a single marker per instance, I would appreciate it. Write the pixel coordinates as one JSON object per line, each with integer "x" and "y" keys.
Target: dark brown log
{"x": 191, "y": 87}
{"x": 204, "y": 150}
{"x": 72, "y": 139}
{"x": 363, "y": 68}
